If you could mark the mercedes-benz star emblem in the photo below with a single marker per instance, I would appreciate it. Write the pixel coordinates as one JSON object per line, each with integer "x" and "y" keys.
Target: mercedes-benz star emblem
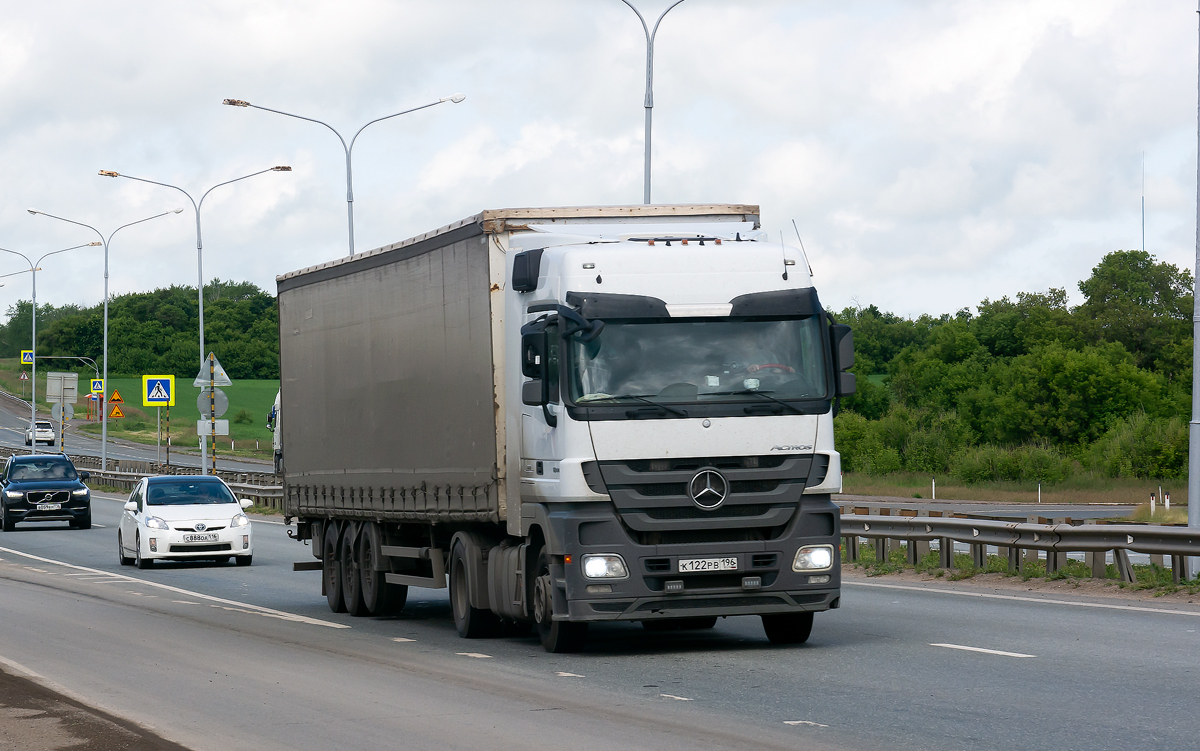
{"x": 708, "y": 489}
{"x": 201, "y": 527}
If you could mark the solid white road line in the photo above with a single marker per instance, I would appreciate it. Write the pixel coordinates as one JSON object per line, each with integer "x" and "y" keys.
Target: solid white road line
{"x": 476, "y": 655}
{"x": 981, "y": 649}
{"x": 673, "y": 696}
{"x": 804, "y": 722}
{"x": 245, "y": 607}
{"x": 1040, "y": 600}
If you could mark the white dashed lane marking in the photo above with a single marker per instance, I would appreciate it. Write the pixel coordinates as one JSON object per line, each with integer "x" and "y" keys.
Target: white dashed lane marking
{"x": 982, "y": 650}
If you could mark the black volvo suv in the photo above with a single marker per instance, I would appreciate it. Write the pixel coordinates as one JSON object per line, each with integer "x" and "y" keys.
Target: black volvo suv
{"x": 44, "y": 488}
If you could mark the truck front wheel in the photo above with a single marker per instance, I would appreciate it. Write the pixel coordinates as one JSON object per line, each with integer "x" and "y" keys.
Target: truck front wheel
{"x": 556, "y": 636}
{"x": 788, "y": 628}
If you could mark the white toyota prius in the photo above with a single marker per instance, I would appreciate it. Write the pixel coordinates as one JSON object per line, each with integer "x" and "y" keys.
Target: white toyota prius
{"x": 184, "y": 517}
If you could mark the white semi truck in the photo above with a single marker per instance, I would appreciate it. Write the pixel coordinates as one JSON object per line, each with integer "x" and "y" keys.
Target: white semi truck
{"x": 574, "y": 415}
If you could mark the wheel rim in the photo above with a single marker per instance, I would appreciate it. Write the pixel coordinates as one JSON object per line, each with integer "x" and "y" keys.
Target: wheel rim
{"x": 459, "y": 592}
{"x": 541, "y": 599}
{"x": 137, "y": 548}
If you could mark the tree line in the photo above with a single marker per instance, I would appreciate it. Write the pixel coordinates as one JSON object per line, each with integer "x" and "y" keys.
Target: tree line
{"x": 157, "y": 332}
{"x": 1031, "y": 388}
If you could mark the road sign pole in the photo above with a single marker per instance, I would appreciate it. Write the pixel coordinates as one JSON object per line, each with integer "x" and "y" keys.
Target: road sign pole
{"x": 158, "y": 449}
{"x": 168, "y": 437}
{"x": 212, "y": 408}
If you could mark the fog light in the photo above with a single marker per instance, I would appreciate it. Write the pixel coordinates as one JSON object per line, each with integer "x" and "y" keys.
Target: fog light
{"x": 673, "y": 587}
{"x": 604, "y": 566}
{"x": 751, "y": 582}
{"x": 823, "y": 579}
{"x": 813, "y": 558}
{"x": 599, "y": 589}
{"x": 245, "y": 542}
{"x": 153, "y": 545}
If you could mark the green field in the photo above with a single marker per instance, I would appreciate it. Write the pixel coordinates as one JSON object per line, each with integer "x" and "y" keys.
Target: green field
{"x": 251, "y": 397}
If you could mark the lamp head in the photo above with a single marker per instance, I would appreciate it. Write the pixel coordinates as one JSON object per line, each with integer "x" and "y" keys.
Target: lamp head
{"x": 456, "y": 98}
{"x": 236, "y": 103}
{"x": 109, "y": 173}
{"x": 177, "y": 211}
{"x": 95, "y": 242}
{"x": 33, "y": 211}
{"x": 281, "y": 168}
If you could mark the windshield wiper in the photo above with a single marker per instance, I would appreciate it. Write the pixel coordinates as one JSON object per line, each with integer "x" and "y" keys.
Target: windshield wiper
{"x": 640, "y": 398}
{"x": 763, "y": 394}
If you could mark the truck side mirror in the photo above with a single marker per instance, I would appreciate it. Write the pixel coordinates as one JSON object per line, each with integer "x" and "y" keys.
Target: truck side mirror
{"x": 841, "y": 338}
{"x": 532, "y": 392}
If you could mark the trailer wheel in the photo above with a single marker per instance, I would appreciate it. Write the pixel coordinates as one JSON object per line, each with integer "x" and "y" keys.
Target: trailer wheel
{"x": 788, "y": 628}
{"x": 380, "y": 597}
{"x": 556, "y": 636}
{"x": 472, "y": 623}
{"x": 351, "y": 580}
{"x": 332, "y": 568}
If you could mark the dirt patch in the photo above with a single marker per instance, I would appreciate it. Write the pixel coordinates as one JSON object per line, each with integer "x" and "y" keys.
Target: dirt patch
{"x": 34, "y": 718}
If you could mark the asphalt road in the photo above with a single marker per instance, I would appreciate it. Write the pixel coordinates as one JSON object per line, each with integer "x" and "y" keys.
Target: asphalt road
{"x": 222, "y": 657}
{"x": 13, "y": 424}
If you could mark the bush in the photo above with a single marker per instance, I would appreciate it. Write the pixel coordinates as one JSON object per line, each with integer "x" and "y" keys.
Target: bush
{"x": 1030, "y": 463}
{"x": 244, "y": 418}
{"x": 1143, "y": 446}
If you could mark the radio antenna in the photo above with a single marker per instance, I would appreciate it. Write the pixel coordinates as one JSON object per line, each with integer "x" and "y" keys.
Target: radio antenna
{"x": 783, "y": 250}
{"x": 802, "y": 250}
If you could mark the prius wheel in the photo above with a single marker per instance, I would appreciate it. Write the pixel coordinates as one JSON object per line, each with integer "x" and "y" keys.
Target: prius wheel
{"x": 244, "y": 560}
{"x": 124, "y": 559}
{"x": 138, "y": 560}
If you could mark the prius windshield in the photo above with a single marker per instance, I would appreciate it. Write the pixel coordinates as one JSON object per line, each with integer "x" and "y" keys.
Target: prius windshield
{"x": 699, "y": 361}
{"x": 188, "y": 492}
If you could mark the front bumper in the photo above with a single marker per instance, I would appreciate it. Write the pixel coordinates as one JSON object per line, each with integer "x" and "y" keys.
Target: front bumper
{"x": 763, "y": 583}
{"x": 169, "y": 544}
{"x": 72, "y": 510}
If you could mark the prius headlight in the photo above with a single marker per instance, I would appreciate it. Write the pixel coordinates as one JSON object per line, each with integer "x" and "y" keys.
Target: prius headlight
{"x": 240, "y": 520}
{"x": 153, "y": 522}
{"x": 604, "y": 566}
{"x": 813, "y": 558}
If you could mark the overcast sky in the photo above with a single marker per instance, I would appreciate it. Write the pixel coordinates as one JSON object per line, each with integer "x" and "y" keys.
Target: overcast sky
{"x": 933, "y": 153}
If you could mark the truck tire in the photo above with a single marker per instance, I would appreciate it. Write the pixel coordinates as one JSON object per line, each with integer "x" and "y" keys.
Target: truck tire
{"x": 381, "y": 598}
{"x": 472, "y": 623}
{"x": 556, "y": 636}
{"x": 331, "y": 569}
{"x": 351, "y": 581}
{"x": 788, "y": 628}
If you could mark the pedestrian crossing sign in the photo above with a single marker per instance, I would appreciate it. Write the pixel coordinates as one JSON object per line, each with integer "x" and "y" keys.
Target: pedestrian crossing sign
{"x": 97, "y": 385}
{"x": 158, "y": 391}
{"x": 27, "y": 357}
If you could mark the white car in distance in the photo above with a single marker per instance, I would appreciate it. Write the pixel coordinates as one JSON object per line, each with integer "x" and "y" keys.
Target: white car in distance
{"x": 184, "y": 517}
{"x": 43, "y": 433}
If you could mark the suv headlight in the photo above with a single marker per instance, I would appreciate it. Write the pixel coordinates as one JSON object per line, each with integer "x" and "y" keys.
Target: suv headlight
{"x": 80, "y": 493}
{"x": 604, "y": 566}
{"x": 240, "y": 520}
{"x": 13, "y": 494}
{"x": 813, "y": 558}
{"x": 153, "y": 522}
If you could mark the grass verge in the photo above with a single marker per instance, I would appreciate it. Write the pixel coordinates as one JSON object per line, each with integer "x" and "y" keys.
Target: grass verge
{"x": 1082, "y": 488}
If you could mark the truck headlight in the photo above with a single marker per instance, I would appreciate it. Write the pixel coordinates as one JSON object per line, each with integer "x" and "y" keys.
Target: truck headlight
{"x": 153, "y": 522}
{"x": 813, "y": 558}
{"x": 604, "y": 566}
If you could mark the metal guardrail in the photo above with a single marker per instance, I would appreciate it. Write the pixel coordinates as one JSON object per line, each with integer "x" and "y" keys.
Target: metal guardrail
{"x": 1020, "y": 541}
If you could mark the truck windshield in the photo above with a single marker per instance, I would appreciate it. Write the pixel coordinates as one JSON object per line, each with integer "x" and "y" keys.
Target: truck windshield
{"x": 699, "y": 361}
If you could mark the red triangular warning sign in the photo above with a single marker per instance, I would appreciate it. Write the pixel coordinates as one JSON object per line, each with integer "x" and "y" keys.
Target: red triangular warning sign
{"x": 116, "y": 411}
{"x": 116, "y": 398}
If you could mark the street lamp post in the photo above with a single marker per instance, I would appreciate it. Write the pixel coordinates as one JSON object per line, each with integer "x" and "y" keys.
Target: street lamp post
{"x": 649, "y": 103}
{"x": 35, "y": 267}
{"x": 196, "y": 205}
{"x": 456, "y": 98}
{"x": 105, "y": 242}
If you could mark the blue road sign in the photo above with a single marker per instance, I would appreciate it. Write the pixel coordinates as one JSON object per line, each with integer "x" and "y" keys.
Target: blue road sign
{"x": 158, "y": 391}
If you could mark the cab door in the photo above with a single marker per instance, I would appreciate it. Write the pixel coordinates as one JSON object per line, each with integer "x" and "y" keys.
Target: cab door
{"x": 541, "y": 441}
